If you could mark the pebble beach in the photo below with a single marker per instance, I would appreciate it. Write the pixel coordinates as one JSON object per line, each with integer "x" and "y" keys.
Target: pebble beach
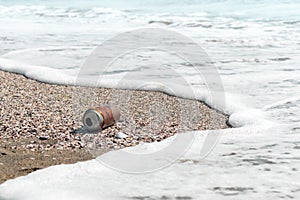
{"x": 39, "y": 126}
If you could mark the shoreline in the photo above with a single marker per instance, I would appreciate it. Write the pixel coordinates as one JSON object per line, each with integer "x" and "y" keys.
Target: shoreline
{"x": 37, "y": 122}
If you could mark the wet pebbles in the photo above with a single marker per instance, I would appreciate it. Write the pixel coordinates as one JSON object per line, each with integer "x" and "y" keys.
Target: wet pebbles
{"x": 40, "y": 124}
{"x": 30, "y": 109}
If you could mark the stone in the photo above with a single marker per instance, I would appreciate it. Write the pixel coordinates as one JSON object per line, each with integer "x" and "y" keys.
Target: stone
{"x": 44, "y": 137}
{"x": 121, "y": 135}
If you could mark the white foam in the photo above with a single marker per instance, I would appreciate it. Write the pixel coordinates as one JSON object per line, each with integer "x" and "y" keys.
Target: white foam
{"x": 41, "y": 73}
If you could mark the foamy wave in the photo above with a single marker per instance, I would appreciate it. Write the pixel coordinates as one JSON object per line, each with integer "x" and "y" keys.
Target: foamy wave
{"x": 41, "y": 73}
{"x": 57, "y": 12}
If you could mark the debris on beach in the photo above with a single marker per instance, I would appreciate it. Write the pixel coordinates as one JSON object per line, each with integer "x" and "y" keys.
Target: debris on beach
{"x": 101, "y": 117}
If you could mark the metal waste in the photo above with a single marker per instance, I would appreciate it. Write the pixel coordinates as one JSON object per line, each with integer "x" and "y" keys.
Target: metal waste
{"x": 97, "y": 119}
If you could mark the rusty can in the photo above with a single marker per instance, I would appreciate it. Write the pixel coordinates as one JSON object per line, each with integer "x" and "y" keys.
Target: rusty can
{"x": 101, "y": 117}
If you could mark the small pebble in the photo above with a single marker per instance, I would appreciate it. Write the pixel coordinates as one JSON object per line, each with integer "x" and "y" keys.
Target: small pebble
{"x": 44, "y": 137}
{"x": 121, "y": 135}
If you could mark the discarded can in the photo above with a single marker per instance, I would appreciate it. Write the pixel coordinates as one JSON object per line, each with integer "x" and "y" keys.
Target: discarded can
{"x": 101, "y": 117}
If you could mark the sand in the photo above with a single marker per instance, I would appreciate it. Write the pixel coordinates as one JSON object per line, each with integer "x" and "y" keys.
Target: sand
{"x": 40, "y": 124}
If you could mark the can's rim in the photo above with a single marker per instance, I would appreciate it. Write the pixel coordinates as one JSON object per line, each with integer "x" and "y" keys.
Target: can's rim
{"x": 100, "y": 120}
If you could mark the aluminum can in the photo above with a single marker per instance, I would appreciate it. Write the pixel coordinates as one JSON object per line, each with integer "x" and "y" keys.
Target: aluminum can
{"x": 101, "y": 117}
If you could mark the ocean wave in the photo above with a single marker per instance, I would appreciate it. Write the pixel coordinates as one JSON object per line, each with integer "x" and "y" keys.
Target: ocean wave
{"x": 56, "y": 12}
